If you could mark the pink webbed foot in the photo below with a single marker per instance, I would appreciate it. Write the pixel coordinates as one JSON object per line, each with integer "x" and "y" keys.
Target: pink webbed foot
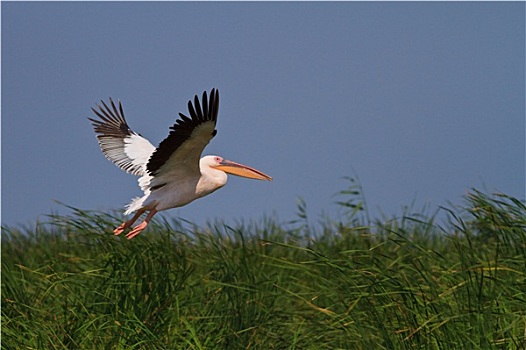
{"x": 136, "y": 230}
{"x": 128, "y": 223}
{"x": 120, "y": 229}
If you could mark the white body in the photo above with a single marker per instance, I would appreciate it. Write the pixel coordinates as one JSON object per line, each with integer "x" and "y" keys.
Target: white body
{"x": 180, "y": 191}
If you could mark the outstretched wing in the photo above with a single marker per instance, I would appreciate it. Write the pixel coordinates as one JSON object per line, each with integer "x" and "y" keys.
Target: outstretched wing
{"x": 179, "y": 153}
{"x": 119, "y": 143}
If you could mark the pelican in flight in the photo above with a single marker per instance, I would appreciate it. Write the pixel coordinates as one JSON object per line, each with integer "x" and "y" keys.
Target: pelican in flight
{"x": 171, "y": 175}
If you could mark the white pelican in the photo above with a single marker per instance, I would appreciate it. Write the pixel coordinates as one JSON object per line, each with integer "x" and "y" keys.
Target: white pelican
{"x": 171, "y": 175}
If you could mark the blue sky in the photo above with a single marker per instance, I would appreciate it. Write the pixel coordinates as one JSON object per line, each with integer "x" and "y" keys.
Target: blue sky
{"x": 422, "y": 101}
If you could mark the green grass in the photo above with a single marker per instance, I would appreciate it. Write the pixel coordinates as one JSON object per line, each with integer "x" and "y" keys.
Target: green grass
{"x": 349, "y": 283}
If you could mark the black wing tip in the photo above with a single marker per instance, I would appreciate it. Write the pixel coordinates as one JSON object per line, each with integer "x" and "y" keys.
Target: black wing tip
{"x": 112, "y": 121}
{"x": 107, "y": 112}
{"x": 203, "y": 110}
{"x": 210, "y": 105}
{"x": 214, "y": 97}
{"x": 112, "y": 104}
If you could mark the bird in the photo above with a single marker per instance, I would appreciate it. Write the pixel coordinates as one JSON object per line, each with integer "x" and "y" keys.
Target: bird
{"x": 172, "y": 174}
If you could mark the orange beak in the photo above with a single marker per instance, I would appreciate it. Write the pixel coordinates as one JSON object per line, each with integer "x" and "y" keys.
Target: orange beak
{"x": 242, "y": 170}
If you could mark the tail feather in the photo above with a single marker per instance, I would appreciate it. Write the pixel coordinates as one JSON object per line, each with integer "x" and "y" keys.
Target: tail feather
{"x": 134, "y": 205}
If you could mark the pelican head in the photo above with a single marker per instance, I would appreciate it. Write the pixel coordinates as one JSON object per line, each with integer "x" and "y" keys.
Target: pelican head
{"x": 227, "y": 166}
